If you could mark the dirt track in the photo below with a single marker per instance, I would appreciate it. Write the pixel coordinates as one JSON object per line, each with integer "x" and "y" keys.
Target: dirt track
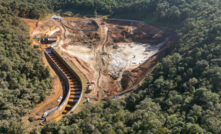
{"x": 51, "y": 100}
{"x": 90, "y": 45}
{"x": 96, "y": 70}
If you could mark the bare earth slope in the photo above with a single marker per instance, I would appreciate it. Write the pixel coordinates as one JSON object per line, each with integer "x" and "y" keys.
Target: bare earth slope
{"x": 114, "y": 54}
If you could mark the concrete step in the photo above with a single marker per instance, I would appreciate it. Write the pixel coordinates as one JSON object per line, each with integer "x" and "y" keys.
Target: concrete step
{"x": 74, "y": 93}
{"x": 71, "y": 77}
{"x": 75, "y": 89}
{"x": 73, "y": 82}
{"x": 75, "y": 85}
{"x": 66, "y": 71}
{"x": 69, "y": 106}
{"x": 61, "y": 65}
{"x": 65, "y": 111}
{"x": 74, "y": 96}
{"x": 54, "y": 57}
{"x": 51, "y": 54}
{"x": 58, "y": 61}
{"x": 73, "y": 100}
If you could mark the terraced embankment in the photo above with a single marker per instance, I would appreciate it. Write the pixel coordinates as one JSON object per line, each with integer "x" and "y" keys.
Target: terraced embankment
{"x": 73, "y": 85}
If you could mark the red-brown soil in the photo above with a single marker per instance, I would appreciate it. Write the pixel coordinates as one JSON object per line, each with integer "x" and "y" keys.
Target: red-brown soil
{"x": 93, "y": 34}
{"x": 51, "y": 100}
{"x": 133, "y": 77}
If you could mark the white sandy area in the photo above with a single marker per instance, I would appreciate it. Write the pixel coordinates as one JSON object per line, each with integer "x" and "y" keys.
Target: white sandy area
{"x": 120, "y": 59}
{"x": 54, "y": 31}
{"x": 124, "y": 58}
{"x": 81, "y": 52}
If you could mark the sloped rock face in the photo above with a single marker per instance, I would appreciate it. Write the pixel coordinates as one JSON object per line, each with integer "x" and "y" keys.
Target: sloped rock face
{"x": 131, "y": 78}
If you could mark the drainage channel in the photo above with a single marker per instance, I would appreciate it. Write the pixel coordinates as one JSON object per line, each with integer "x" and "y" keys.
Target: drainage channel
{"x": 75, "y": 86}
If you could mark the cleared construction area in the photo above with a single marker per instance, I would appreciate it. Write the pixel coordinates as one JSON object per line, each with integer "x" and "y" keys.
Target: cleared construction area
{"x": 109, "y": 51}
{"x": 114, "y": 55}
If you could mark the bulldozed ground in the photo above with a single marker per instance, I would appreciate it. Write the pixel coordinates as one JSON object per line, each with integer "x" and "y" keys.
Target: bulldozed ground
{"x": 51, "y": 100}
{"x": 113, "y": 54}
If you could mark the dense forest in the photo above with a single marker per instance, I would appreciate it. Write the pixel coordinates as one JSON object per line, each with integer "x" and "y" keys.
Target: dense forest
{"x": 165, "y": 10}
{"x": 181, "y": 95}
{"x": 24, "y": 80}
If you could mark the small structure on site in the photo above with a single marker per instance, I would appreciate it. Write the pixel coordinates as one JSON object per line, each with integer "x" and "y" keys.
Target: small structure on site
{"x": 48, "y": 40}
{"x": 90, "y": 88}
{"x": 55, "y": 17}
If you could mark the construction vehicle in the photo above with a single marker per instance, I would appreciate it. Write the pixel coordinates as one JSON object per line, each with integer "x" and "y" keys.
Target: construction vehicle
{"x": 91, "y": 86}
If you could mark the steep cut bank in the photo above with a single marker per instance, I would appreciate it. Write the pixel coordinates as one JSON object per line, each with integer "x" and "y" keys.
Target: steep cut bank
{"x": 133, "y": 77}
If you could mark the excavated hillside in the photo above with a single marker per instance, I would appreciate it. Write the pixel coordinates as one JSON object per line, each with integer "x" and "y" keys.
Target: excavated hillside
{"x": 114, "y": 55}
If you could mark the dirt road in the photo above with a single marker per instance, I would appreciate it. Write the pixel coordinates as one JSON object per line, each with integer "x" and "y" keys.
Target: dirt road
{"x": 91, "y": 46}
{"x": 51, "y": 100}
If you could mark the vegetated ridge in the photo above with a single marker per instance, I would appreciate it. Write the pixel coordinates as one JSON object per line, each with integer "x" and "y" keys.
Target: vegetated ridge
{"x": 181, "y": 95}
{"x": 24, "y": 80}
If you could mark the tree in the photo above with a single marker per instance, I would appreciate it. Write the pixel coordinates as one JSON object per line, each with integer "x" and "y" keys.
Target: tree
{"x": 95, "y": 12}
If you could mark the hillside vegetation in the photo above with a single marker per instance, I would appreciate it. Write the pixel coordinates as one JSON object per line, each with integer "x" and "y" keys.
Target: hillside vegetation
{"x": 181, "y": 95}
{"x": 24, "y": 80}
{"x": 165, "y": 10}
